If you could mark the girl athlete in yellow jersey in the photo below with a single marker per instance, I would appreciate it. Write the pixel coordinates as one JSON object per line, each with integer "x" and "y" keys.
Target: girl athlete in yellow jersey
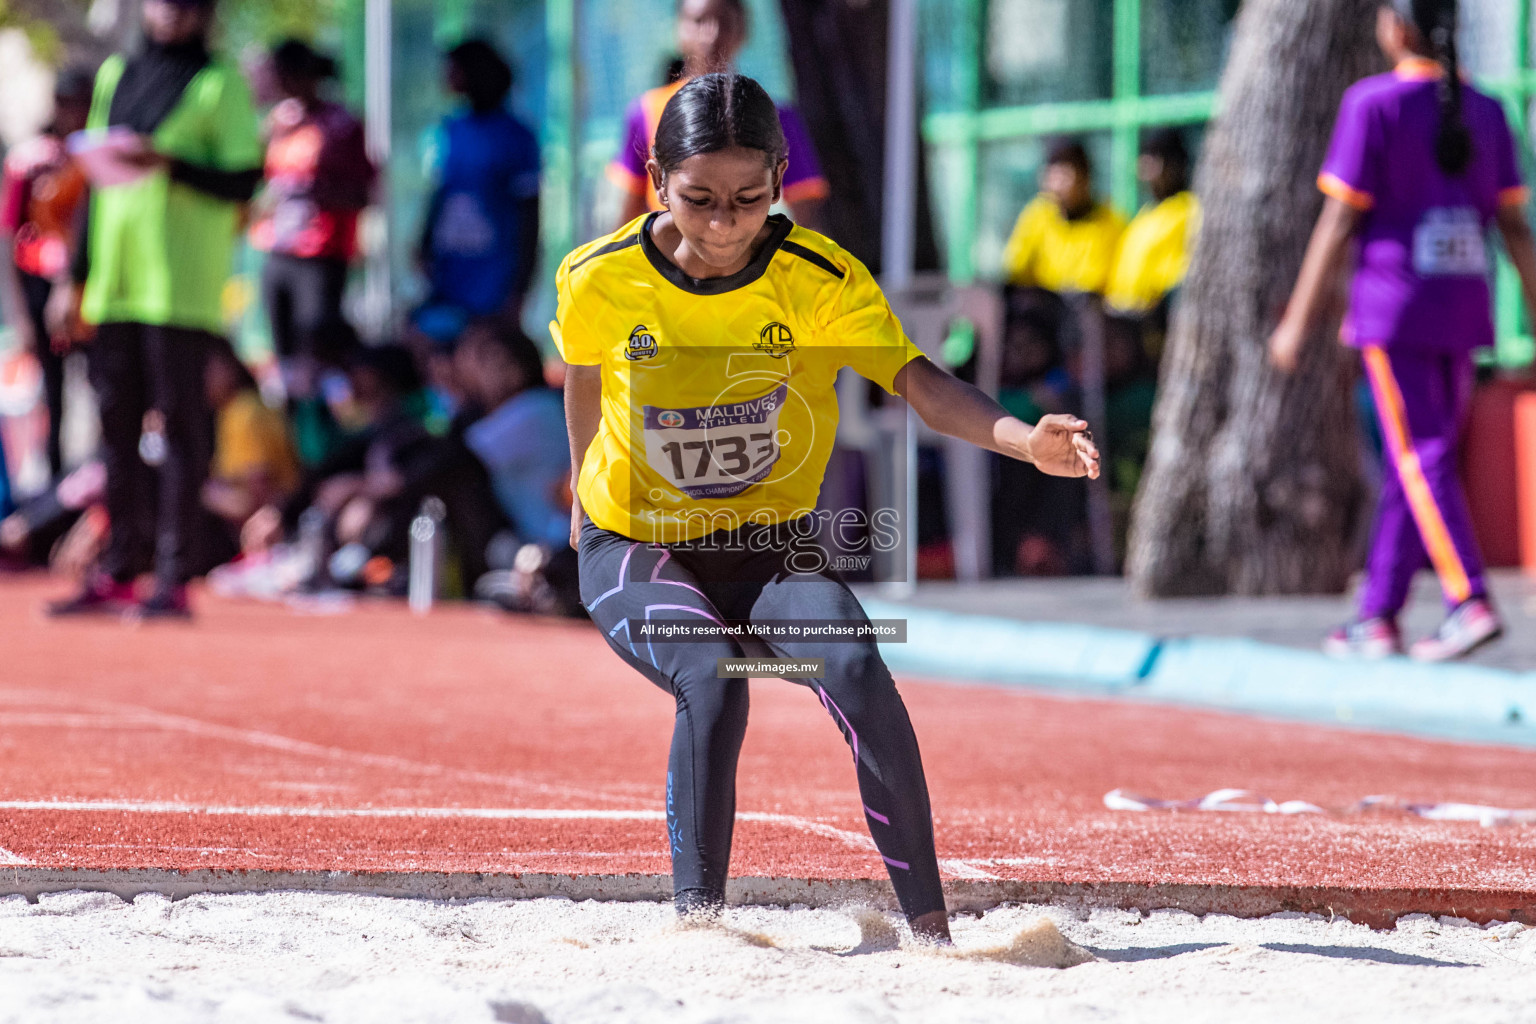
{"x": 703, "y": 345}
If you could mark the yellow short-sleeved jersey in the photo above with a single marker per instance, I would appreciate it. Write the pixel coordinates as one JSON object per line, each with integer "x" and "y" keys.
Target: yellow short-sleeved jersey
{"x": 1154, "y": 254}
{"x": 250, "y": 437}
{"x": 719, "y": 405}
{"x": 1046, "y": 250}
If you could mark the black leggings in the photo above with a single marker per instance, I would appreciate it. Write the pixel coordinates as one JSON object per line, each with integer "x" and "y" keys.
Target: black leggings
{"x": 725, "y": 578}
{"x": 155, "y": 514}
{"x": 36, "y": 290}
{"x": 303, "y": 299}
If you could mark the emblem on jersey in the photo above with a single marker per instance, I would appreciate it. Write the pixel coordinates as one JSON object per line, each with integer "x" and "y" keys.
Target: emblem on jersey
{"x": 642, "y": 345}
{"x": 670, "y": 418}
{"x": 775, "y": 340}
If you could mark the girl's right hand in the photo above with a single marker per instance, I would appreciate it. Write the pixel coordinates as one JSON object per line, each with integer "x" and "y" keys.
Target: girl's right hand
{"x": 577, "y": 516}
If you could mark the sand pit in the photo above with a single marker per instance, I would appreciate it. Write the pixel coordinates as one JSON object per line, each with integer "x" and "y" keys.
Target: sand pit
{"x": 81, "y": 957}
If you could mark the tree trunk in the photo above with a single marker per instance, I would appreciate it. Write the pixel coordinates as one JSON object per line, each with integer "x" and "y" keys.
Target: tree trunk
{"x": 1253, "y": 485}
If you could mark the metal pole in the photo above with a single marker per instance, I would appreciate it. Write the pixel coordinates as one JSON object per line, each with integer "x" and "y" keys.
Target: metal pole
{"x": 561, "y": 166}
{"x": 969, "y": 57}
{"x": 898, "y": 229}
{"x": 1127, "y": 88}
{"x": 378, "y": 301}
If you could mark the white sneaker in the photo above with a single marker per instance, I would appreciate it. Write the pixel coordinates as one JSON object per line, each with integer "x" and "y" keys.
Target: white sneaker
{"x": 1471, "y": 625}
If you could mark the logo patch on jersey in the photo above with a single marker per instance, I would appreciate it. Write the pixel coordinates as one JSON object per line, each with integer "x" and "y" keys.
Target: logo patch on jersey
{"x": 775, "y": 340}
{"x": 670, "y": 418}
{"x": 642, "y": 345}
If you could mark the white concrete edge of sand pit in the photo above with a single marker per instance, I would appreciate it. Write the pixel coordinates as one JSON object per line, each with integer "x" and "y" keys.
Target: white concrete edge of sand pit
{"x": 1379, "y": 908}
{"x": 1446, "y": 701}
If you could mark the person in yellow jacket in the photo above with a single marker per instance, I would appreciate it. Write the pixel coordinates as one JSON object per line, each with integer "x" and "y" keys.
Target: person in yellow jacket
{"x": 1065, "y": 240}
{"x": 1156, "y": 247}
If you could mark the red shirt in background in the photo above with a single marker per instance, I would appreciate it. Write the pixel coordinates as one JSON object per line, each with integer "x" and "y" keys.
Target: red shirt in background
{"x": 318, "y": 180}
{"x": 39, "y": 199}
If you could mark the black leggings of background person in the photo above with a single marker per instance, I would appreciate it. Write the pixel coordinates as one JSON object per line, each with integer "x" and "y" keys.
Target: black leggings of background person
{"x": 745, "y": 576}
{"x": 35, "y": 291}
{"x": 154, "y": 513}
{"x": 303, "y": 299}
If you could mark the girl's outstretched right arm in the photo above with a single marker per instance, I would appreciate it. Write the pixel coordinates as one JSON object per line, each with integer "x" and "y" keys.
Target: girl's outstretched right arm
{"x": 583, "y": 413}
{"x": 1325, "y": 253}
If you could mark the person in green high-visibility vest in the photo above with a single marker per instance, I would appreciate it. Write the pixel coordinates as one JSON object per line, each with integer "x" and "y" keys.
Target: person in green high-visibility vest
{"x": 158, "y": 250}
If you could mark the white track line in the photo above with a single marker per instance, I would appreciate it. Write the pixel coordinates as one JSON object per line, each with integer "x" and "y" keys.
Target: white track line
{"x": 136, "y": 716}
{"x": 856, "y": 840}
{"x": 261, "y": 811}
{"x": 139, "y": 715}
{"x": 10, "y": 859}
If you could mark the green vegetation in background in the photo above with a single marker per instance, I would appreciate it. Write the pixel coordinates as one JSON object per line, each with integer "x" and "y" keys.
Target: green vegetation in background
{"x": 262, "y": 22}
{"x": 42, "y": 36}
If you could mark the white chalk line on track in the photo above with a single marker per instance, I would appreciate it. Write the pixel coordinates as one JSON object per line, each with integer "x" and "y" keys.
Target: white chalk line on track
{"x": 123, "y": 715}
{"x": 962, "y": 868}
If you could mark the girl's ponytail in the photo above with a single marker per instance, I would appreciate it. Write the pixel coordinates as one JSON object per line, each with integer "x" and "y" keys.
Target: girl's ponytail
{"x": 1437, "y": 21}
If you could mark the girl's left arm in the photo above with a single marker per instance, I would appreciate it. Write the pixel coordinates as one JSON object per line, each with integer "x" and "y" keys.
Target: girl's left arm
{"x": 1058, "y": 445}
{"x": 1325, "y": 253}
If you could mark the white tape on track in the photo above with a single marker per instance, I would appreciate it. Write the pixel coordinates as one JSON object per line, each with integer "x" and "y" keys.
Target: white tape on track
{"x": 1245, "y": 801}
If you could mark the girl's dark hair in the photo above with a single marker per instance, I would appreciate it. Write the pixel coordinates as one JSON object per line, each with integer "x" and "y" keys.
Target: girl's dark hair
{"x": 294, "y": 58}
{"x": 487, "y": 75}
{"x": 716, "y": 112}
{"x": 1437, "y": 22}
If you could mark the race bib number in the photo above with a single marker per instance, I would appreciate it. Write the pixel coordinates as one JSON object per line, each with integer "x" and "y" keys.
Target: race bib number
{"x": 1449, "y": 243}
{"x": 715, "y": 451}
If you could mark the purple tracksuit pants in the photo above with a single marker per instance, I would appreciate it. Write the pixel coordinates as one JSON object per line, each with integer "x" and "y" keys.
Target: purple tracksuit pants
{"x": 1422, "y": 518}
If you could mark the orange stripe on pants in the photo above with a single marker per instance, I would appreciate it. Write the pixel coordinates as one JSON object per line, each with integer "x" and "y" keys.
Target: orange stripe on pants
{"x": 1421, "y": 499}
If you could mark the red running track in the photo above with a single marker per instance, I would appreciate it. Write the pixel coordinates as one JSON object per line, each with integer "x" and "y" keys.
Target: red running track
{"x": 466, "y": 741}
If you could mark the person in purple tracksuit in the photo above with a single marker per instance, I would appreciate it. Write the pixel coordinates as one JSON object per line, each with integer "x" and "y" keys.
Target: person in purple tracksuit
{"x": 1421, "y": 166}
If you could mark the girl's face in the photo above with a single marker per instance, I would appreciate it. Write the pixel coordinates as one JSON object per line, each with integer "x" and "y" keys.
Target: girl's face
{"x": 720, "y": 201}
{"x": 710, "y": 33}
{"x": 169, "y": 23}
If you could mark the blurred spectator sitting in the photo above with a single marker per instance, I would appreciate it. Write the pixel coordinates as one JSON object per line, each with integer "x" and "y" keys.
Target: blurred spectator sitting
{"x": 253, "y": 460}
{"x": 1036, "y": 519}
{"x": 366, "y": 468}
{"x": 1065, "y": 239}
{"x": 1156, "y": 248}
{"x": 319, "y": 179}
{"x": 40, "y": 201}
{"x": 521, "y": 439}
{"x": 481, "y": 237}
{"x": 1033, "y": 380}
{"x": 64, "y": 527}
